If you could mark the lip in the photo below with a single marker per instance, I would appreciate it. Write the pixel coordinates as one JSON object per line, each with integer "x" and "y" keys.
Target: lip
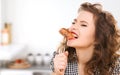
{"x": 71, "y": 39}
{"x": 75, "y": 35}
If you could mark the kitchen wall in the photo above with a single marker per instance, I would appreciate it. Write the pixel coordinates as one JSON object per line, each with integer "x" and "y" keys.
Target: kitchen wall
{"x": 0, "y": 20}
{"x": 35, "y": 23}
{"x": 0, "y": 13}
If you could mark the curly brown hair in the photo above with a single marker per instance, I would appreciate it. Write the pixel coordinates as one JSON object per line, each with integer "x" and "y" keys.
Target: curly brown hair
{"x": 106, "y": 37}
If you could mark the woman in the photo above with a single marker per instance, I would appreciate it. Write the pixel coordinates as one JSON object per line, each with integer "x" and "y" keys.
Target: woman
{"x": 92, "y": 51}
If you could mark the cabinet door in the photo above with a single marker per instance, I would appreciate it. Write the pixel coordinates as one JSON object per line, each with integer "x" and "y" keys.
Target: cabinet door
{"x": 15, "y": 72}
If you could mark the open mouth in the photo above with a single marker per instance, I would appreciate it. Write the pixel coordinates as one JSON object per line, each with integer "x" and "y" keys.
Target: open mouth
{"x": 68, "y": 34}
{"x": 74, "y": 36}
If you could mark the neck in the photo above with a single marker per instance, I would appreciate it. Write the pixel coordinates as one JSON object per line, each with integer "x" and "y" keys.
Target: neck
{"x": 84, "y": 54}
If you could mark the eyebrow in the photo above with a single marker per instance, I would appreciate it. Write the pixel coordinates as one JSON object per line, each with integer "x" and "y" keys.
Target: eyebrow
{"x": 75, "y": 20}
{"x": 84, "y": 22}
{"x": 81, "y": 21}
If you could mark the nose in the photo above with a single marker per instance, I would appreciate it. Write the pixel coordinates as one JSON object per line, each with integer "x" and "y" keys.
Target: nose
{"x": 72, "y": 27}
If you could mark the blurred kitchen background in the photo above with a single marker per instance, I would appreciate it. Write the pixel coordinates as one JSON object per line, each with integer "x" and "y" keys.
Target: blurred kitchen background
{"x": 29, "y": 32}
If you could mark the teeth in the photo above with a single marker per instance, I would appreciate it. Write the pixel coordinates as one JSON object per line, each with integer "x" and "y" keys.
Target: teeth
{"x": 75, "y": 35}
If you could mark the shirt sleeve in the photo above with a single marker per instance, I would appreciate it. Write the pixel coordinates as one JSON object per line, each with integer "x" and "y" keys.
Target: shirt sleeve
{"x": 51, "y": 62}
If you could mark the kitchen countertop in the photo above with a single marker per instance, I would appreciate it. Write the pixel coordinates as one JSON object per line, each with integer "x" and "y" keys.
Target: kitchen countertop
{"x": 33, "y": 69}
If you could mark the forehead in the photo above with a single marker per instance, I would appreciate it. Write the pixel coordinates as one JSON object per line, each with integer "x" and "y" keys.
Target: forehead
{"x": 85, "y": 16}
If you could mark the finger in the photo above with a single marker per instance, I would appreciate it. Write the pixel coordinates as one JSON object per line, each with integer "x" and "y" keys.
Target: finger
{"x": 60, "y": 62}
{"x": 59, "y": 65}
{"x": 66, "y": 53}
{"x": 61, "y": 57}
{"x": 59, "y": 68}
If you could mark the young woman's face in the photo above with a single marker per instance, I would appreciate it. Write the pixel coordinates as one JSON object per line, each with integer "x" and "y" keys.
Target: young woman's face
{"x": 83, "y": 28}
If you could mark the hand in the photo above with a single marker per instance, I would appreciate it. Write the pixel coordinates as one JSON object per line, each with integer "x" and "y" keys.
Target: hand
{"x": 60, "y": 63}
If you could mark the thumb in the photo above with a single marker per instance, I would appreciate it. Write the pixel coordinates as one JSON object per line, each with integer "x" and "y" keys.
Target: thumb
{"x": 66, "y": 53}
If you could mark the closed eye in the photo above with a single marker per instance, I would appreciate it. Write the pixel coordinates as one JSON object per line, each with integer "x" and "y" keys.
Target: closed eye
{"x": 84, "y": 25}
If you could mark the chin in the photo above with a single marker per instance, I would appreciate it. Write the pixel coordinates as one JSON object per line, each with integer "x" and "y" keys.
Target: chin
{"x": 70, "y": 45}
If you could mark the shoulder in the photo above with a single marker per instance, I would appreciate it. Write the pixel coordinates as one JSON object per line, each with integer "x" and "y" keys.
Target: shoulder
{"x": 115, "y": 68}
{"x": 117, "y": 61}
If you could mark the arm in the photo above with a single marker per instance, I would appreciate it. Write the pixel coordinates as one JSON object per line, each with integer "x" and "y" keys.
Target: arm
{"x": 59, "y": 63}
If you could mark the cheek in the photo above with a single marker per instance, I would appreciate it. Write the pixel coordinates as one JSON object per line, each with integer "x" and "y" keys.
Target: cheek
{"x": 87, "y": 37}
{"x": 90, "y": 38}
{"x": 90, "y": 33}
